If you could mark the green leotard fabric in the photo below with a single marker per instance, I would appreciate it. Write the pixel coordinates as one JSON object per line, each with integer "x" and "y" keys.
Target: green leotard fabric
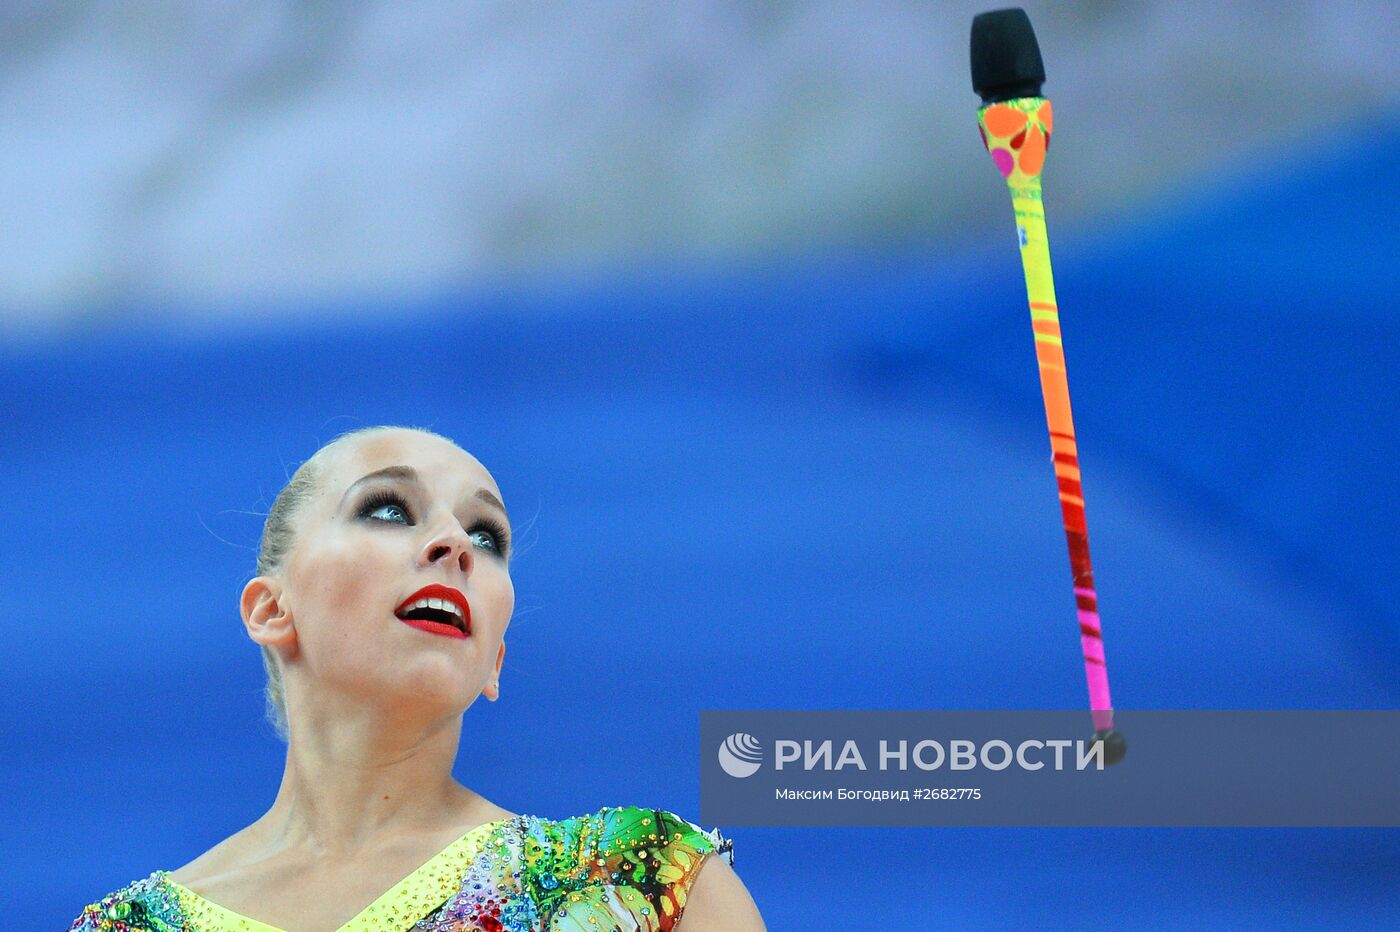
{"x": 620, "y": 868}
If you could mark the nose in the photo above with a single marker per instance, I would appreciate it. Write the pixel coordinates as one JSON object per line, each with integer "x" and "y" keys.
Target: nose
{"x": 451, "y": 543}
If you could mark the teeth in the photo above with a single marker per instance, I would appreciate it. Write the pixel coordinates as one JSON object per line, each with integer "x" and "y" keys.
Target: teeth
{"x": 441, "y": 605}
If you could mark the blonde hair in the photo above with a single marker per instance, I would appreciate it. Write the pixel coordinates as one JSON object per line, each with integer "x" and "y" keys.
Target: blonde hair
{"x": 278, "y": 538}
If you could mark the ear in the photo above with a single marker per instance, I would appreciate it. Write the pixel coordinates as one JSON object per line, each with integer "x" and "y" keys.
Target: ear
{"x": 493, "y": 688}
{"x": 265, "y": 618}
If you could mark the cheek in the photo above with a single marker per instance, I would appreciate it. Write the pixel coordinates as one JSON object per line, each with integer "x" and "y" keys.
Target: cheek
{"x": 501, "y": 600}
{"x": 345, "y": 584}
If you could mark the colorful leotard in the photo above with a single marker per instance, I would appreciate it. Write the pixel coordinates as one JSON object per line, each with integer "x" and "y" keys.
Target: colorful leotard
{"x": 620, "y": 868}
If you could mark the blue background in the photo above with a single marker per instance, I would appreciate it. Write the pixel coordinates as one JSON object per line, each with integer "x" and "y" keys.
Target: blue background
{"x": 727, "y": 297}
{"x": 823, "y": 483}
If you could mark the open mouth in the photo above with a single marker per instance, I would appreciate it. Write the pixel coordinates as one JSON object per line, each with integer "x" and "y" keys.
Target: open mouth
{"x": 437, "y": 610}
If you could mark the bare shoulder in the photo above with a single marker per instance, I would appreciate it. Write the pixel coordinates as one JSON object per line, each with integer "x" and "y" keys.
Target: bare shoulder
{"x": 494, "y": 814}
{"x": 718, "y": 900}
{"x": 211, "y": 863}
{"x": 225, "y": 859}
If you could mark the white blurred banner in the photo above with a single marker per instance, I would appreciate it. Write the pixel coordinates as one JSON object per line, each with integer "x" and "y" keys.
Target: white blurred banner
{"x": 212, "y": 155}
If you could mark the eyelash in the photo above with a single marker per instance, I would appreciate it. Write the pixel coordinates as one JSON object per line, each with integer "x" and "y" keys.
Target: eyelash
{"x": 377, "y": 500}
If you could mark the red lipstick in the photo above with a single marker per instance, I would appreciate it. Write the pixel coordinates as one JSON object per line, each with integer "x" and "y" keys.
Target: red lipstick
{"x": 448, "y": 615}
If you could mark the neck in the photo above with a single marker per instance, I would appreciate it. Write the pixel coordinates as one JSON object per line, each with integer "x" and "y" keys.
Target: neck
{"x": 355, "y": 783}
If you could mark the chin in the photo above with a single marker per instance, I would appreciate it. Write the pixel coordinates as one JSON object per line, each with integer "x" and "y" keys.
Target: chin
{"x": 443, "y": 691}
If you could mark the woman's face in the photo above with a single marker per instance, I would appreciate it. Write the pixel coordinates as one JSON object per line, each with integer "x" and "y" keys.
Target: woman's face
{"x": 395, "y": 512}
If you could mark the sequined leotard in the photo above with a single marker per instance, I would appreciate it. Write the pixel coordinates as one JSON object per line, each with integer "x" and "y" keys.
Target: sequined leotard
{"x": 620, "y": 868}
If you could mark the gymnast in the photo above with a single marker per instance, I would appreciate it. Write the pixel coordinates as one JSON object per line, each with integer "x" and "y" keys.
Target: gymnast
{"x": 380, "y": 604}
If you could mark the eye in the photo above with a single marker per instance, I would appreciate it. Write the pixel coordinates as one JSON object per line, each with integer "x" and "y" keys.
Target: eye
{"x": 389, "y": 502}
{"x": 491, "y": 536}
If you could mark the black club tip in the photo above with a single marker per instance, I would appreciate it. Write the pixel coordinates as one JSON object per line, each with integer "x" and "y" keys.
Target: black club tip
{"x": 1114, "y": 745}
{"x": 1005, "y": 56}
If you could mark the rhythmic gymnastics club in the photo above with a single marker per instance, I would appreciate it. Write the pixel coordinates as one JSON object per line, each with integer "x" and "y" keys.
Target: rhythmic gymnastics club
{"x": 1016, "y": 121}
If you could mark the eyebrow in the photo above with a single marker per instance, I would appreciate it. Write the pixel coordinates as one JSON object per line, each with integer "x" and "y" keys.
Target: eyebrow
{"x": 409, "y": 474}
